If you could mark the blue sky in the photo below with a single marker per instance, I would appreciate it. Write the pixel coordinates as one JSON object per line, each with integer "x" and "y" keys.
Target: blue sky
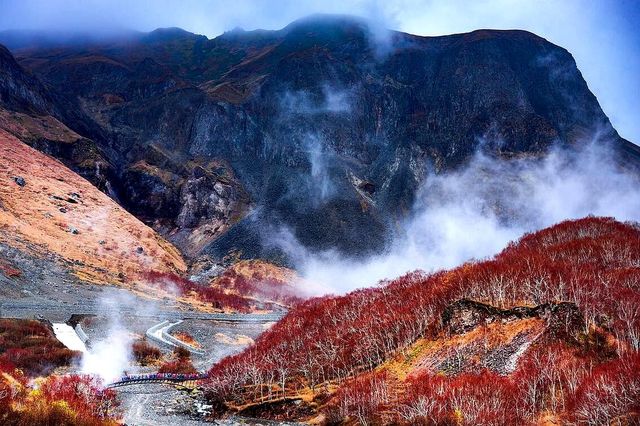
{"x": 603, "y": 35}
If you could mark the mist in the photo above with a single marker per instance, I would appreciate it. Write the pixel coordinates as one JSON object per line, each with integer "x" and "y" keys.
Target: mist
{"x": 474, "y": 212}
{"x": 109, "y": 357}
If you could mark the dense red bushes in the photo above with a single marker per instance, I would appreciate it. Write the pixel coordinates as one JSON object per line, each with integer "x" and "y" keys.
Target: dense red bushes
{"x": 332, "y": 338}
{"x": 593, "y": 262}
{"x": 610, "y": 391}
{"x": 182, "y": 286}
{"x": 180, "y": 364}
{"x": 467, "y": 399}
{"x": 550, "y": 379}
{"x": 84, "y": 396}
{"x": 144, "y": 353}
{"x": 30, "y": 346}
{"x": 365, "y": 399}
{"x": 56, "y": 400}
{"x": 258, "y": 286}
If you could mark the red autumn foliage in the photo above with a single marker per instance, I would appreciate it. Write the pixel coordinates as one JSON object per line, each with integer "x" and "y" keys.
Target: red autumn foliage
{"x": 467, "y": 399}
{"x": 30, "y": 346}
{"x": 58, "y": 400}
{"x": 220, "y": 300}
{"x": 364, "y": 399}
{"x": 611, "y": 391}
{"x": 144, "y": 353}
{"x": 259, "y": 286}
{"x": 180, "y": 364}
{"x": 85, "y": 395}
{"x": 9, "y": 270}
{"x": 592, "y": 262}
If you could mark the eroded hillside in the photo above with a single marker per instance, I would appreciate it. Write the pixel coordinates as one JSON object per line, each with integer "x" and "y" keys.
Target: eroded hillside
{"x": 48, "y": 210}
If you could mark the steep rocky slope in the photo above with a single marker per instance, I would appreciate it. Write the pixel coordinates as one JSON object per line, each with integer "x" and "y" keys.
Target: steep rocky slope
{"x": 319, "y": 127}
{"x": 36, "y": 114}
{"x": 546, "y": 331}
{"x": 48, "y": 210}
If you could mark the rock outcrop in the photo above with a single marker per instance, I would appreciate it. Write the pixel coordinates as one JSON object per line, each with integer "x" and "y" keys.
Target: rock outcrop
{"x": 563, "y": 319}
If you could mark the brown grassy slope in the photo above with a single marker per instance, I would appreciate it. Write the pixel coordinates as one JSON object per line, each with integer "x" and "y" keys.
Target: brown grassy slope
{"x": 29, "y": 128}
{"x": 99, "y": 239}
{"x": 262, "y": 281}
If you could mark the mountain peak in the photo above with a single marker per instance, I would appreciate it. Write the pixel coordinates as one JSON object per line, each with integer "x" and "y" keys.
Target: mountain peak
{"x": 327, "y": 22}
{"x": 169, "y": 33}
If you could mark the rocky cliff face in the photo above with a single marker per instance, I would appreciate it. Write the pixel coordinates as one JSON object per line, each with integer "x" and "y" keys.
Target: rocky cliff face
{"x": 44, "y": 119}
{"x": 326, "y": 129}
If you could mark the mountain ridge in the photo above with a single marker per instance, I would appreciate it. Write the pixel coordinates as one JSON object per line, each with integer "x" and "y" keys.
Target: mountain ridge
{"x": 302, "y": 118}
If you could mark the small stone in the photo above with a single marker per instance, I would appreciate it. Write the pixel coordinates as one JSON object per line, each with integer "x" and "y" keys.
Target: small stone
{"x": 19, "y": 180}
{"x": 73, "y": 230}
{"x": 62, "y": 210}
{"x": 75, "y": 195}
{"x": 102, "y": 242}
{"x": 139, "y": 250}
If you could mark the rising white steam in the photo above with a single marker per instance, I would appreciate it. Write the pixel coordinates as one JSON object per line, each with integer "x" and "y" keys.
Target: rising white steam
{"x": 475, "y": 212}
{"x": 109, "y": 358}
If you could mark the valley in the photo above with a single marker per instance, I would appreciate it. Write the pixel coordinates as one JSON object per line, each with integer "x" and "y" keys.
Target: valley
{"x": 317, "y": 224}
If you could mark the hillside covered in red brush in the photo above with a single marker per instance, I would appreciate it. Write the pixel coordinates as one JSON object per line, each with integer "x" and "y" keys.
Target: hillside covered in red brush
{"x": 547, "y": 331}
{"x": 31, "y": 391}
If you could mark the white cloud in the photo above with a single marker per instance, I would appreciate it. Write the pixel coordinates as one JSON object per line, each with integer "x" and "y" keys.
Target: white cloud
{"x": 475, "y": 212}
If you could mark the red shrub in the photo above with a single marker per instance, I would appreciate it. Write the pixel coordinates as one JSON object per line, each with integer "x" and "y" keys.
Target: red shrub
{"x": 31, "y": 346}
{"x": 364, "y": 399}
{"x": 178, "y": 366}
{"x": 181, "y": 364}
{"x": 59, "y": 400}
{"x": 220, "y": 300}
{"x": 611, "y": 391}
{"x": 467, "y": 399}
{"x": 145, "y": 354}
{"x": 84, "y": 394}
{"x": 591, "y": 262}
{"x": 258, "y": 286}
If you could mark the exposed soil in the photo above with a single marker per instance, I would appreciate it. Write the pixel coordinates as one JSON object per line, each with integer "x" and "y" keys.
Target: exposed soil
{"x": 46, "y": 209}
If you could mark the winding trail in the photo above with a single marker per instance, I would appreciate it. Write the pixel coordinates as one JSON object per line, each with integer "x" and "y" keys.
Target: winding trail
{"x": 160, "y": 333}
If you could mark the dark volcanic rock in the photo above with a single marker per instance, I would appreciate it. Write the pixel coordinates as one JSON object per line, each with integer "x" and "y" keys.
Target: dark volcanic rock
{"x": 44, "y": 119}
{"x": 19, "y": 180}
{"x": 192, "y": 202}
{"x": 329, "y": 132}
{"x": 563, "y": 319}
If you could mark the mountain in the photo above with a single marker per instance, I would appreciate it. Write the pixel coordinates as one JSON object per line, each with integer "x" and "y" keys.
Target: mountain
{"x": 48, "y": 211}
{"x": 325, "y": 128}
{"x": 544, "y": 333}
{"x": 36, "y": 114}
